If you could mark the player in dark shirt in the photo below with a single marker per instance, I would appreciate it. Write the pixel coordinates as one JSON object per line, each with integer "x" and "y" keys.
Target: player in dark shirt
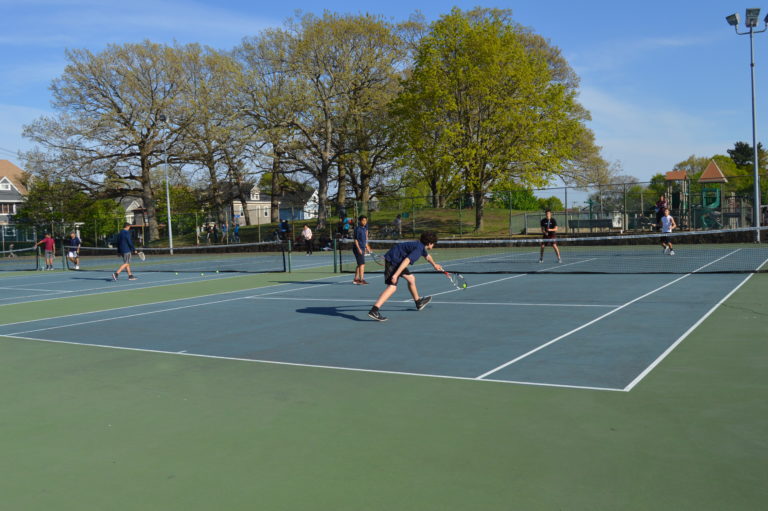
{"x": 396, "y": 262}
{"x": 549, "y": 231}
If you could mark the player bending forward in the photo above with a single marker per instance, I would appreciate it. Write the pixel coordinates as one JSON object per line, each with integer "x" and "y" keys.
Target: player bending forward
{"x": 667, "y": 224}
{"x": 396, "y": 262}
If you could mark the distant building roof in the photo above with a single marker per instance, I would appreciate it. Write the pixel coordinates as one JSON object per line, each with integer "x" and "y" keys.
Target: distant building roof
{"x": 14, "y": 174}
{"x": 712, "y": 174}
{"x": 676, "y": 175}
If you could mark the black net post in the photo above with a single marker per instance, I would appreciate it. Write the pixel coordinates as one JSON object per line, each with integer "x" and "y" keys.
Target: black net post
{"x": 336, "y": 265}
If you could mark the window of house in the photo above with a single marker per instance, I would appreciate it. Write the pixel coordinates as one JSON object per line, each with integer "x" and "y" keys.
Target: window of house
{"x": 5, "y": 186}
{"x": 7, "y": 209}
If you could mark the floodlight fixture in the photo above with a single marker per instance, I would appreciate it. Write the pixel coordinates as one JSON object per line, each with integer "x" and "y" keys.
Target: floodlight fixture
{"x": 752, "y": 17}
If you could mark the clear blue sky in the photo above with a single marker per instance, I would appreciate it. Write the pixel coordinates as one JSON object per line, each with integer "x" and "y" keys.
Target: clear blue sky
{"x": 663, "y": 80}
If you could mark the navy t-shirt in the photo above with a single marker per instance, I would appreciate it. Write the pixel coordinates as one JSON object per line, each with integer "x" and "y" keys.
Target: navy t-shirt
{"x": 124, "y": 242}
{"x": 410, "y": 249}
{"x": 73, "y": 243}
{"x": 361, "y": 235}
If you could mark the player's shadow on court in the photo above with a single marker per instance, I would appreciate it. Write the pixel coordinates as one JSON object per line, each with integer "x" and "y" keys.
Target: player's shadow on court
{"x": 329, "y": 311}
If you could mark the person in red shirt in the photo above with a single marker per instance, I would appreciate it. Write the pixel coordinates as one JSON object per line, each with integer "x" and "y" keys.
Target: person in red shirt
{"x": 49, "y": 246}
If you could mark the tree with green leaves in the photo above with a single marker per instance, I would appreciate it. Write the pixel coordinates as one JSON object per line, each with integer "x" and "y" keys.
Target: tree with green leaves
{"x": 493, "y": 100}
{"x": 106, "y": 130}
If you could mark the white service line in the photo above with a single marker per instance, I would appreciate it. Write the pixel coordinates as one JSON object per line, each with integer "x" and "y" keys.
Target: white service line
{"x": 39, "y": 290}
{"x": 434, "y": 302}
{"x": 609, "y": 313}
{"x": 317, "y": 366}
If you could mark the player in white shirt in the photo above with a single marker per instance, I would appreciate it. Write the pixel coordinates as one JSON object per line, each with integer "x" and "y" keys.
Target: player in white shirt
{"x": 667, "y": 224}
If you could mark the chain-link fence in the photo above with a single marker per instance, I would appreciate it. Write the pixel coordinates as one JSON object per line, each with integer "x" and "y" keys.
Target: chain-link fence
{"x": 623, "y": 207}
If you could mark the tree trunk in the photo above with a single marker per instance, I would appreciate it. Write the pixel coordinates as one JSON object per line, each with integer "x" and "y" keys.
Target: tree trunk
{"x": 341, "y": 197}
{"x": 479, "y": 204}
{"x": 276, "y": 190}
{"x": 148, "y": 198}
{"x": 322, "y": 196}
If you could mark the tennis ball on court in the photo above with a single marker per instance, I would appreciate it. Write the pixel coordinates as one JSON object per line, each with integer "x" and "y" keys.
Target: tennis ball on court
{"x": 217, "y": 271}
{"x": 202, "y": 274}
{"x": 464, "y": 285}
{"x": 177, "y": 274}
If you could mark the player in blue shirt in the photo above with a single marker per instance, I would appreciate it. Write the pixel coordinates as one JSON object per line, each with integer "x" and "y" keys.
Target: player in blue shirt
{"x": 360, "y": 248}
{"x": 73, "y": 249}
{"x": 396, "y": 262}
{"x": 124, "y": 249}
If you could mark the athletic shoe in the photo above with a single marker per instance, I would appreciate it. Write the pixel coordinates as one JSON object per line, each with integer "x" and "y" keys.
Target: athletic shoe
{"x": 422, "y": 302}
{"x": 375, "y": 314}
{"x": 541, "y": 261}
{"x": 666, "y": 250}
{"x": 363, "y": 282}
{"x": 356, "y": 282}
{"x": 77, "y": 267}
{"x": 131, "y": 277}
{"x": 559, "y": 260}
{"x": 671, "y": 252}
{"x": 114, "y": 276}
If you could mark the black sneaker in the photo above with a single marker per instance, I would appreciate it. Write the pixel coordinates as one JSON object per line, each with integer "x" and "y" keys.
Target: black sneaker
{"x": 422, "y": 302}
{"x": 114, "y": 276}
{"x": 375, "y": 314}
{"x": 131, "y": 277}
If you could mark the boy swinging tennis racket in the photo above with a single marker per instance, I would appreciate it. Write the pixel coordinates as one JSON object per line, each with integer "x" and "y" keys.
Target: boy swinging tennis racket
{"x": 396, "y": 262}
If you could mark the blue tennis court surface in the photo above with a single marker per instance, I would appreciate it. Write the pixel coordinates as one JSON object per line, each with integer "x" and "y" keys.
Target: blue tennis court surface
{"x": 586, "y": 331}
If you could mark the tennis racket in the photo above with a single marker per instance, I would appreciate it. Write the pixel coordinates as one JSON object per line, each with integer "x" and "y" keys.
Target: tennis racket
{"x": 457, "y": 279}
{"x": 141, "y": 256}
{"x": 377, "y": 258}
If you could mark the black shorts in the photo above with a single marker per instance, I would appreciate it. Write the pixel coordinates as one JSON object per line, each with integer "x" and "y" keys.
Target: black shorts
{"x": 552, "y": 239}
{"x": 359, "y": 257}
{"x": 389, "y": 270}
{"x": 665, "y": 239}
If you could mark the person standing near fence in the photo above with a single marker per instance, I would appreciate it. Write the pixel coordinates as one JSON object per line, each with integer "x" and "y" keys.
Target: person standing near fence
{"x": 236, "y": 232}
{"x": 49, "y": 247}
{"x": 398, "y": 223}
{"x": 661, "y": 205}
{"x": 306, "y": 235}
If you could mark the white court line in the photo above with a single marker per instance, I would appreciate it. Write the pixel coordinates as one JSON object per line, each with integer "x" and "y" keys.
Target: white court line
{"x": 687, "y": 333}
{"x": 516, "y": 304}
{"x": 567, "y": 264}
{"x": 39, "y": 290}
{"x": 158, "y": 302}
{"x": 585, "y": 325}
{"x": 114, "y": 289}
{"x": 101, "y": 320}
{"x": 315, "y": 366}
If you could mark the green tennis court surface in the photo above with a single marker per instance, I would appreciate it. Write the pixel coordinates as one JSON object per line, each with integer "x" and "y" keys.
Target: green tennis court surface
{"x": 275, "y": 391}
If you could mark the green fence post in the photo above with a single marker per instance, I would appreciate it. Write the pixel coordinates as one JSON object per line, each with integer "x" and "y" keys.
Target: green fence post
{"x": 335, "y": 250}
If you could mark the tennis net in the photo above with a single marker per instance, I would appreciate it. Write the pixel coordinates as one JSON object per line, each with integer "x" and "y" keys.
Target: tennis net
{"x": 17, "y": 260}
{"x": 722, "y": 251}
{"x": 239, "y": 257}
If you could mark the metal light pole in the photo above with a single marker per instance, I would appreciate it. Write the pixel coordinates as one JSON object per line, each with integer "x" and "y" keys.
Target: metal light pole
{"x": 162, "y": 119}
{"x": 752, "y": 16}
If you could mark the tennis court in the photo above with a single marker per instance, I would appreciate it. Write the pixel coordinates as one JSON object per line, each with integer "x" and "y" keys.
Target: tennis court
{"x": 538, "y": 389}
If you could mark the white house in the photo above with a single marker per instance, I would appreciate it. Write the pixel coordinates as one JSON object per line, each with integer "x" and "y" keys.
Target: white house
{"x": 12, "y": 194}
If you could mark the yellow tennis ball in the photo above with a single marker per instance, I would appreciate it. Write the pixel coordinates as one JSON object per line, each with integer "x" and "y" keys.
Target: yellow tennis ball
{"x": 202, "y": 274}
{"x": 176, "y": 273}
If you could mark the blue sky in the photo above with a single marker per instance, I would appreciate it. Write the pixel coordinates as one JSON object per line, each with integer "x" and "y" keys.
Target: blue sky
{"x": 663, "y": 80}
